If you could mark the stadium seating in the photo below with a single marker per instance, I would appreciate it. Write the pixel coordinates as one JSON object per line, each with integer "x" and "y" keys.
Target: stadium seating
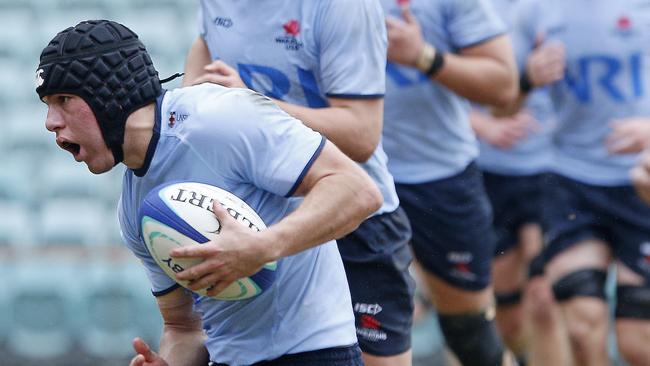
{"x": 110, "y": 311}
{"x": 73, "y": 221}
{"x": 43, "y": 304}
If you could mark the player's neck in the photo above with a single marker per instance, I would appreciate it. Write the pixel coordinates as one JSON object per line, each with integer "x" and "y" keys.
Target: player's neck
{"x": 137, "y": 135}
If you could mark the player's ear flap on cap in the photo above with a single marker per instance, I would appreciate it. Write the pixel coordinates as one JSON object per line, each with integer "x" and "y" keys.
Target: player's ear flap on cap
{"x": 104, "y": 63}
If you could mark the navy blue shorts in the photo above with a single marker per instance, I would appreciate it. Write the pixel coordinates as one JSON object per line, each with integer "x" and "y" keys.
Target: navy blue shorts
{"x": 453, "y": 236}
{"x": 516, "y": 201}
{"x": 337, "y": 356}
{"x": 574, "y": 212}
{"x": 376, "y": 257}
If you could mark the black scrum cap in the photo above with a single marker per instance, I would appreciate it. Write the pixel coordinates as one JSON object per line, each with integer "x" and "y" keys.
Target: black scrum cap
{"x": 104, "y": 63}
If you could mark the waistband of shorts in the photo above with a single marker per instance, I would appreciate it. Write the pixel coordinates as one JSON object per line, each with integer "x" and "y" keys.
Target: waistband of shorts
{"x": 341, "y": 353}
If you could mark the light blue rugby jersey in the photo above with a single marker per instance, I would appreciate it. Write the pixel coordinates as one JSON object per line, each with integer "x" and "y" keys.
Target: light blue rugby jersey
{"x": 533, "y": 154}
{"x": 242, "y": 142}
{"x": 427, "y": 134}
{"x": 302, "y": 52}
{"x": 607, "y": 78}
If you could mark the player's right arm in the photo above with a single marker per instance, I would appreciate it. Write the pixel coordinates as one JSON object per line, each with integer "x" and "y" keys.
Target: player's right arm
{"x": 182, "y": 339}
{"x": 484, "y": 72}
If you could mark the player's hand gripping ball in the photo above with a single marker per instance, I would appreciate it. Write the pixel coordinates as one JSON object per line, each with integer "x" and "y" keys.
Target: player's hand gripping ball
{"x": 180, "y": 214}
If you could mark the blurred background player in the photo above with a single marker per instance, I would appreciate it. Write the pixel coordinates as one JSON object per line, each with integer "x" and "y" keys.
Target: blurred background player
{"x": 439, "y": 53}
{"x": 106, "y": 106}
{"x": 324, "y": 63}
{"x": 592, "y": 216}
{"x": 515, "y": 152}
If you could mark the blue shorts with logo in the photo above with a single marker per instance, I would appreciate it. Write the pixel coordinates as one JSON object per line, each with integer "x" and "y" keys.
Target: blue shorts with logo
{"x": 336, "y": 356}
{"x": 453, "y": 236}
{"x": 376, "y": 257}
{"x": 516, "y": 201}
{"x": 575, "y": 211}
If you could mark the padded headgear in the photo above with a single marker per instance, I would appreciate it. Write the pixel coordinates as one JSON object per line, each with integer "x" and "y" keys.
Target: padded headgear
{"x": 105, "y": 64}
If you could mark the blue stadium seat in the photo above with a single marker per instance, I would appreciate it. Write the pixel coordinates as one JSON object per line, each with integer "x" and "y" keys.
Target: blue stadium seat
{"x": 17, "y": 84}
{"x": 25, "y": 128}
{"x": 16, "y": 38}
{"x": 17, "y": 182}
{"x": 16, "y": 226}
{"x": 67, "y": 178}
{"x": 110, "y": 311}
{"x": 43, "y": 303}
{"x": 73, "y": 222}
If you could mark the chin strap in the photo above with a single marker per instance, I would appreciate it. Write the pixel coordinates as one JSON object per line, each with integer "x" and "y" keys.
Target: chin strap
{"x": 176, "y": 75}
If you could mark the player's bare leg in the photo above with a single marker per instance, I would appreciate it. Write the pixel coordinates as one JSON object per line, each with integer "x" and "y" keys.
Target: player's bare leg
{"x": 633, "y": 334}
{"x": 398, "y": 360}
{"x": 586, "y": 316}
{"x": 510, "y": 273}
{"x": 549, "y": 342}
{"x": 450, "y": 300}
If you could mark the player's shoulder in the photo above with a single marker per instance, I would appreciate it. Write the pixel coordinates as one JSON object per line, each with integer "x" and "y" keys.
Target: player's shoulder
{"x": 215, "y": 102}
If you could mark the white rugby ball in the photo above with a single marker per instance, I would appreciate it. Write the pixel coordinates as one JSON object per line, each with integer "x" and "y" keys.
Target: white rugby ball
{"x": 180, "y": 214}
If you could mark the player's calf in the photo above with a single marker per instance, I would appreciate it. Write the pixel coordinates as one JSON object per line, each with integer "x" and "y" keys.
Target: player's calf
{"x": 633, "y": 323}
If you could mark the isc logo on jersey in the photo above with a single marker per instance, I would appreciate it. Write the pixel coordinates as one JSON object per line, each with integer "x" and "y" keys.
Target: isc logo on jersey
{"x": 180, "y": 214}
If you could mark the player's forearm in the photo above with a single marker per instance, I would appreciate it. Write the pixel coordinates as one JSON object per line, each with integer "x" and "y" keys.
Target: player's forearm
{"x": 480, "y": 79}
{"x": 356, "y": 131}
{"x": 197, "y": 58}
{"x": 332, "y": 209}
{"x": 182, "y": 347}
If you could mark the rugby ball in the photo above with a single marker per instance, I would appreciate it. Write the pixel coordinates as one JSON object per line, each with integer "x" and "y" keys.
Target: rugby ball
{"x": 180, "y": 214}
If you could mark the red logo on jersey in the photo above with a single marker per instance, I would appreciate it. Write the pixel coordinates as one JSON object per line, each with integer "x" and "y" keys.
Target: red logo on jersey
{"x": 172, "y": 119}
{"x": 369, "y": 322}
{"x": 463, "y": 267}
{"x": 292, "y": 27}
{"x": 624, "y": 23}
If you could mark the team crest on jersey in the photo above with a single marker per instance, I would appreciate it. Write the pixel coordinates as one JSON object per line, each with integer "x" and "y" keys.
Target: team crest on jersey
{"x": 290, "y": 37}
{"x": 624, "y": 27}
{"x": 175, "y": 117}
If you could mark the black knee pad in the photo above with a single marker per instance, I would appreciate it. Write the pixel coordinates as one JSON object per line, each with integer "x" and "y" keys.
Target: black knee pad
{"x": 473, "y": 338}
{"x": 508, "y": 298}
{"x": 536, "y": 266}
{"x": 584, "y": 282}
{"x": 633, "y": 302}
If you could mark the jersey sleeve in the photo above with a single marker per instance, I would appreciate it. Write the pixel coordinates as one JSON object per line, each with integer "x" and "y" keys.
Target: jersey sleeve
{"x": 201, "y": 21}
{"x": 352, "y": 45}
{"x": 471, "y": 22}
{"x": 161, "y": 283}
{"x": 524, "y": 30}
{"x": 256, "y": 142}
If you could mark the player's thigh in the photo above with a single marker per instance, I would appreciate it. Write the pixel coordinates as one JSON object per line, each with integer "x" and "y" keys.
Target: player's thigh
{"x": 586, "y": 254}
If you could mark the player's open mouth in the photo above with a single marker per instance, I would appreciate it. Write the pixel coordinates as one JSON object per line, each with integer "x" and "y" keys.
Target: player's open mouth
{"x": 71, "y": 147}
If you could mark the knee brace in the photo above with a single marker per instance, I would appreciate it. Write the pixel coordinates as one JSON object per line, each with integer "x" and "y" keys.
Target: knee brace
{"x": 473, "y": 338}
{"x": 633, "y": 302}
{"x": 536, "y": 266}
{"x": 508, "y": 298}
{"x": 584, "y": 282}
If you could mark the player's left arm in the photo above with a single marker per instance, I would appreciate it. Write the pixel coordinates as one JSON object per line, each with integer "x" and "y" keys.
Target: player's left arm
{"x": 485, "y": 73}
{"x": 338, "y": 196}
